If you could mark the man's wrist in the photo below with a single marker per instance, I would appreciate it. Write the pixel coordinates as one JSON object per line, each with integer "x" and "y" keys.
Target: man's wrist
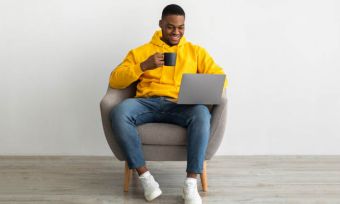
{"x": 142, "y": 66}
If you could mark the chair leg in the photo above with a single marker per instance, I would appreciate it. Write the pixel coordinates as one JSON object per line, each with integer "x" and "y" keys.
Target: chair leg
{"x": 204, "y": 179}
{"x": 127, "y": 176}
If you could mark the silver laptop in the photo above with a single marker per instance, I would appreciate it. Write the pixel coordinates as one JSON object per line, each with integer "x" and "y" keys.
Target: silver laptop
{"x": 201, "y": 89}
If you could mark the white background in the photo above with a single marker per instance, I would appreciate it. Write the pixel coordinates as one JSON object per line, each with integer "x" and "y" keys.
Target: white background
{"x": 282, "y": 58}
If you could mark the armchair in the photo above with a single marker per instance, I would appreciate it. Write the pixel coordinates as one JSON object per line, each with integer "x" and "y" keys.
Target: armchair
{"x": 161, "y": 141}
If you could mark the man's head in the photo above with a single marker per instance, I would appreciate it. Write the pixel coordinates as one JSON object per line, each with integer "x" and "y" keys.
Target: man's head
{"x": 172, "y": 24}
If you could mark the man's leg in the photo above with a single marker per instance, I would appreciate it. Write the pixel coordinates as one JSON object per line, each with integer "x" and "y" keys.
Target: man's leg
{"x": 198, "y": 132}
{"x": 198, "y": 137}
{"x": 196, "y": 118}
{"x": 125, "y": 117}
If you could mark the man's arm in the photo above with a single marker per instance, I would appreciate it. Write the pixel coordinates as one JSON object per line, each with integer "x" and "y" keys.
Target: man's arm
{"x": 207, "y": 65}
{"x": 126, "y": 73}
{"x": 129, "y": 70}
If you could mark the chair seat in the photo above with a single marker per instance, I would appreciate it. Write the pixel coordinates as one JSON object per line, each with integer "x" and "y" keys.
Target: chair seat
{"x": 162, "y": 134}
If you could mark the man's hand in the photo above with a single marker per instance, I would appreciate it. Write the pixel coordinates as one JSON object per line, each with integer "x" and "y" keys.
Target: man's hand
{"x": 154, "y": 61}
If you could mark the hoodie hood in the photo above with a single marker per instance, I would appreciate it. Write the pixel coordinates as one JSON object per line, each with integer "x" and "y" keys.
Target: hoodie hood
{"x": 156, "y": 40}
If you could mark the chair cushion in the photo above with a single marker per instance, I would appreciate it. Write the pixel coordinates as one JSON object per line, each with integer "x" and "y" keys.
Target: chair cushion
{"x": 162, "y": 134}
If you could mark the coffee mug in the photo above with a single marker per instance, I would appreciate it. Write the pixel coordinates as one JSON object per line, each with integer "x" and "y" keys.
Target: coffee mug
{"x": 170, "y": 58}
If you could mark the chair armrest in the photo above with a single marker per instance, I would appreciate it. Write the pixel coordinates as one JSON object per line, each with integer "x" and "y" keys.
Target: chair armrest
{"x": 218, "y": 126}
{"x": 112, "y": 98}
{"x": 115, "y": 96}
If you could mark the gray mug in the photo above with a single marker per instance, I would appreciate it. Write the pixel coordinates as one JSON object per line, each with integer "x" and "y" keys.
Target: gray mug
{"x": 170, "y": 58}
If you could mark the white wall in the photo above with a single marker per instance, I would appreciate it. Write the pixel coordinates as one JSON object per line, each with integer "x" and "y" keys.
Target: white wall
{"x": 282, "y": 59}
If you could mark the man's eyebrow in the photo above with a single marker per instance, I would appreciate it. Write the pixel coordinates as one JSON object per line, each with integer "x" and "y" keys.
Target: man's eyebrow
{"x": 169, "y": 24}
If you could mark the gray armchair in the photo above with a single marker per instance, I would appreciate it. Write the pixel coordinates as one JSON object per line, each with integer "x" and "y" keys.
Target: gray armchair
{"x": 161, "y": 141}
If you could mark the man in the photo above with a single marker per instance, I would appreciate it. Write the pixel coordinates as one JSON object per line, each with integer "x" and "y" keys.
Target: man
{"x": 157, "y": 91}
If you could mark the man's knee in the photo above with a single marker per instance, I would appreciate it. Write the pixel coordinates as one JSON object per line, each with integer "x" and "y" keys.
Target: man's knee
{"x": 122, "y": 110}
{"x": 201, "y": 113}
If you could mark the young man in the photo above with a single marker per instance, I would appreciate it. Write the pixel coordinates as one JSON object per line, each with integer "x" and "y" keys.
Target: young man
{"x": 157, "y": 90}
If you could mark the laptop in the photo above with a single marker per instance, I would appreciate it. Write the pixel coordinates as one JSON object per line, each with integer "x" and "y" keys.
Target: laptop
{"x": 201, "y": 89}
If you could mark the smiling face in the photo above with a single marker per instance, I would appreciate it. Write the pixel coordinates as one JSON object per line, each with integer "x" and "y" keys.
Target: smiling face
{"x": 172, "y": 29}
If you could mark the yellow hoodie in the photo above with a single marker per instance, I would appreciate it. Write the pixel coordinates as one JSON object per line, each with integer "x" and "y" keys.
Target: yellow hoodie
{"x": 165, "y": 80}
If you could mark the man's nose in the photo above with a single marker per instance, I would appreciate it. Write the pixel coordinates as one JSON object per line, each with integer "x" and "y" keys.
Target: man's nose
{"x": 175, "y": 31}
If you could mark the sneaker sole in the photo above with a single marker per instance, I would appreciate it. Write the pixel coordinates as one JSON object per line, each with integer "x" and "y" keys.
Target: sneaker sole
{"x": 191, "y": 201}
{"x": 153, "y": 195}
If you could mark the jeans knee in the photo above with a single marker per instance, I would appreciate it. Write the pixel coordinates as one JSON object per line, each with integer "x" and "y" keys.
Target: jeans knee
{"x": 201, "y": 114}
{"x": 115, "y": 114}
{"x": 119, "y": 112}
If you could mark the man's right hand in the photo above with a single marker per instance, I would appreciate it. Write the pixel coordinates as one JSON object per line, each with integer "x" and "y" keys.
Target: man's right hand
{"x": 154, "y": 61}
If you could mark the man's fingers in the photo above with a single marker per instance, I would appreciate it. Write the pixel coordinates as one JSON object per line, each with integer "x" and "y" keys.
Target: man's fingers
{"x": 159, "y": 63}
{"x": 159, "y": 55}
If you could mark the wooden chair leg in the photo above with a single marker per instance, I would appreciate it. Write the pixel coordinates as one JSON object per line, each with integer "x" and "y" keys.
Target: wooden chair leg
{"x": 204, "y": 179}
{"x": 127, "y": 176}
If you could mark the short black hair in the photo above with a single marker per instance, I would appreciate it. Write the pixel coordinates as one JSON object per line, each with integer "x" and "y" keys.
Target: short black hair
{"x": 172, "y": 9}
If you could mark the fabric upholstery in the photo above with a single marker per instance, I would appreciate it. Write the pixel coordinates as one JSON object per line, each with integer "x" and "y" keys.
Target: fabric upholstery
{"x": 162, "y": 134}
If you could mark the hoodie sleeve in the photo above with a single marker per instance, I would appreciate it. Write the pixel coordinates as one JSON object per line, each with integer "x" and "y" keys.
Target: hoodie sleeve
{"x": 206, "y": 64}
{"x": 126, "y": 73}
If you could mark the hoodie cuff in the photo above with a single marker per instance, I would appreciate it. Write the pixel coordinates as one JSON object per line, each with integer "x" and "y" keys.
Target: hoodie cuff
{"x": 138, "y": 70}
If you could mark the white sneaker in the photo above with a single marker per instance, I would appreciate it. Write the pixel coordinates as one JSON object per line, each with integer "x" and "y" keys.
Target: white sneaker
{"x": 190, "y": 192}
{"x": 150, "y": 186}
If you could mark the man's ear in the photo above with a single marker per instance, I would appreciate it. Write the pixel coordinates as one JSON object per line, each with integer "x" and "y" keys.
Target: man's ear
{"x": 160, "y": 23}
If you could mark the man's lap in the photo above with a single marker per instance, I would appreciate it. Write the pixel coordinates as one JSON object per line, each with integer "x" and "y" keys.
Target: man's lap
{"x": 159, "y": 109}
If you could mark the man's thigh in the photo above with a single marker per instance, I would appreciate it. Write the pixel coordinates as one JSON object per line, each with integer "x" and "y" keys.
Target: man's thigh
{"x": 182, "y": 114}
{"x": 136, "y": 110}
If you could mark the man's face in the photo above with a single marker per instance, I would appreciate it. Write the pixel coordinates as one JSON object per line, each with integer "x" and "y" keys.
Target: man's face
{"x": 172, "y": 29}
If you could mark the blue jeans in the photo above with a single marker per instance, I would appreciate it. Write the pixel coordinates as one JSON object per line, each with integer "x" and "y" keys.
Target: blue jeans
{"x": 132, "y": 112}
